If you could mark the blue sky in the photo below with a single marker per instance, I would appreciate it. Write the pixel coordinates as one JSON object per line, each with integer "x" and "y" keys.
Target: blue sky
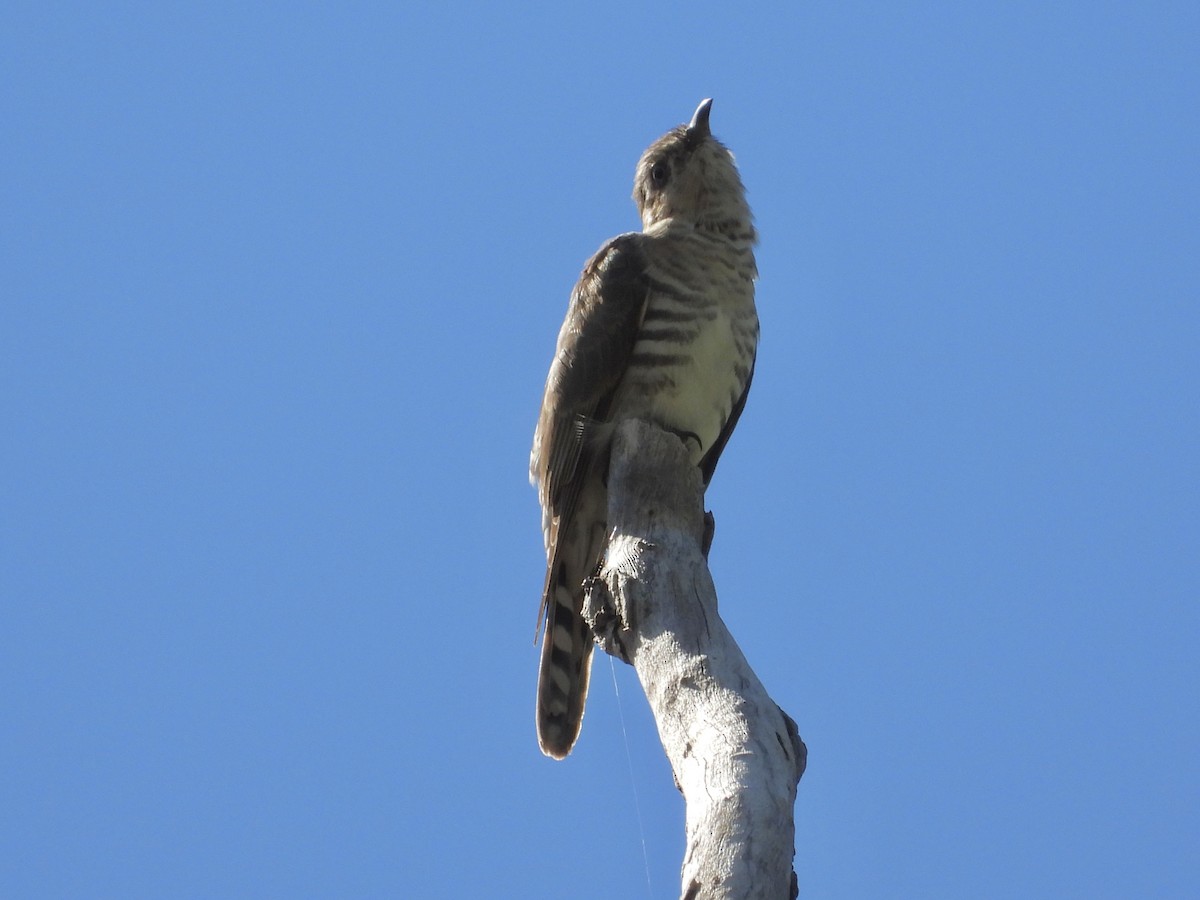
{"x": 280, "y": 288}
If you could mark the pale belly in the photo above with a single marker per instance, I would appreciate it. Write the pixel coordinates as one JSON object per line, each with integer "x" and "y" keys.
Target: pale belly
{"x": 688, "y": 388}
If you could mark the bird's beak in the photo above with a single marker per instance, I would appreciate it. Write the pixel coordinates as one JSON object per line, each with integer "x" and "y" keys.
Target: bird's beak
{"x": 698, "y": 127}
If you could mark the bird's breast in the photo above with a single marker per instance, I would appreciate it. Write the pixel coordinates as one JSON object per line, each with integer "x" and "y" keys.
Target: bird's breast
{"x": 691, "y": 360}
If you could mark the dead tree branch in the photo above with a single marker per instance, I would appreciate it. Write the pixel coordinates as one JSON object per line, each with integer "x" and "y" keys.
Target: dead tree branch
{"x": 737, "y": 757}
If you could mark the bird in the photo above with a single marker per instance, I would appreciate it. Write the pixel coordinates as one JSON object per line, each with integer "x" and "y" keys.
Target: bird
{"x": 661, "y": 327}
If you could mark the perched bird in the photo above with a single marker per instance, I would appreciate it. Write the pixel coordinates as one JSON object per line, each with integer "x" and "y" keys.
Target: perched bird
{"x": 660, "y": 327}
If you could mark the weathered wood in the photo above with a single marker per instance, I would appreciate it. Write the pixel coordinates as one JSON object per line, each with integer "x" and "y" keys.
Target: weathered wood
{"x": 737, "y": 757}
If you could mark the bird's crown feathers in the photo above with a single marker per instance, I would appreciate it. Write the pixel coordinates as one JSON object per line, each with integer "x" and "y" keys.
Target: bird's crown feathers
{"x": 689, "y": 176}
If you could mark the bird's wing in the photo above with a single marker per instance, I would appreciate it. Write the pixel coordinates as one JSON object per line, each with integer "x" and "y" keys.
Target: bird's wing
{"x": 594, "y": 346}
{"x": 708, "y": 464}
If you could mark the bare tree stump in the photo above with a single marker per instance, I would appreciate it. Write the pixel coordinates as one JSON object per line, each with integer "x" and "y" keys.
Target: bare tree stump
{"x": 737, "y": 757}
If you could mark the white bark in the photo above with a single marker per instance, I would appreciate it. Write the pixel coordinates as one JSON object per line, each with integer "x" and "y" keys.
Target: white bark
{"x": 736, "y": 755}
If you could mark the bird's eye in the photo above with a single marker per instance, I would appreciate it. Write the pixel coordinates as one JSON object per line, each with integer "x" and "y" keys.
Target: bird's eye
{"x": 659, "y": 174}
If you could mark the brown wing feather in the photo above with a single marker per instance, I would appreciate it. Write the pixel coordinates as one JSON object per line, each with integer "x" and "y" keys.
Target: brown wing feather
{"x": 708, "y": 464}
{"x": 594, "y": 347}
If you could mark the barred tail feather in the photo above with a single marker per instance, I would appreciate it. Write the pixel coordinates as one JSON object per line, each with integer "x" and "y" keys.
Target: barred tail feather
{"x": 565, "y": 668}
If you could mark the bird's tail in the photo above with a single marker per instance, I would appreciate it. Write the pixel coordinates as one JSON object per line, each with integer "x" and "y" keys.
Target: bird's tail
{"x": 566, "y": 663}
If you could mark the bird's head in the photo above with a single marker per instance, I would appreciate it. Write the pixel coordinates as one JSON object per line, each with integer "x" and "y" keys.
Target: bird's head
{"x": 689, "y": 176}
